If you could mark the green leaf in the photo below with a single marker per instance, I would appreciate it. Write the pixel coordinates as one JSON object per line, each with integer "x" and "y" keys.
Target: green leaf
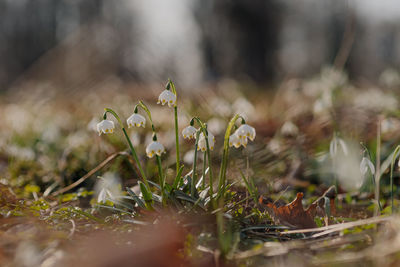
{"x": 147, "y": 195}
{"x": 136, "y": 198}
{"x": 178, "y": 178}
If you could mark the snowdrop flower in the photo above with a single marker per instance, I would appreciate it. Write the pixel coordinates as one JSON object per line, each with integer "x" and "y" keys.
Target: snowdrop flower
{"x": 154, "y": 148}
{"x": 335, "y": 143}
{"x": 246, "y": 131}
{"x": 365, "y": 165}
{"x": 235, "y": 141}
{"x": 189, "y": 132}
{"x": 136, "y": 120}
{"x": 202, "y": 145}
{"x": 167, "y": 97}
{"x": 108, "y": 187}
{"x": 105, "y": 126}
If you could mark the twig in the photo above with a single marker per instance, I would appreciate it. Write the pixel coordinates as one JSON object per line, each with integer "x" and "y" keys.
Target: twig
{"x": 89, "y": 174}
{"x": 339, "y": 227}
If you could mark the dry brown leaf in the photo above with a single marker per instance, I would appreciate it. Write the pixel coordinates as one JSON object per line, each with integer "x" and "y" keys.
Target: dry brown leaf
{"x": 294, "y": 215}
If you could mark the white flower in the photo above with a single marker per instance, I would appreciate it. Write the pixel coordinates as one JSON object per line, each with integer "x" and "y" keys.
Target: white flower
{"x": 202, "y": 145}
{"x": 246, "y": 131}
{"x": 235, "y": 141}
{"x": 105, "y": 126}
{"x": 189, "y": 132}
{"x": 108, "y": 187}
{"x": 154, "y": 148}
{"x": 167, "y": 97}
{"x": 136, "y": 120}
{"x": 333, "y": 146}
{"x": 365, "y": 165}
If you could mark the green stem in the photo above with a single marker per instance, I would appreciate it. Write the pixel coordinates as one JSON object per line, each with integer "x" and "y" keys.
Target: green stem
{"x": 112, "y": 112}
{"x": 203, "y": 128}
{"x": 176, "y": 138}
{"x": 225, "y": 153}
{"x": 136, "y": 159}
{"x": 396, "y": 151}
{"x": 171, "y": 85}
{"x": 162, "y": 180}
{"x": 209, "y": 169}
{"x": 204, "y": 170}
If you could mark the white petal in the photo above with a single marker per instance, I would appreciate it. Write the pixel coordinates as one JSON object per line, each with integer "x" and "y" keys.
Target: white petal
{"x": 101, "y": 198}
{"x": 371, "y": 166}
{"x": 343, "y": 146}
{"x": 333, "y": 147}
{"x": 363, "y": 166}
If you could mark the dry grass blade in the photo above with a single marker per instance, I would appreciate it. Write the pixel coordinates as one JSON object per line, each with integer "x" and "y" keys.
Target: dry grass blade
{"x": 339, "y": 227}
{"x": 89, "y": 174}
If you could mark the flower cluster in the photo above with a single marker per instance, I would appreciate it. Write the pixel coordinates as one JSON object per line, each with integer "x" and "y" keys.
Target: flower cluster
{"x": 241, "y": 136}
{"x": 190, "y": 133}
{"x": 137, "y": 120}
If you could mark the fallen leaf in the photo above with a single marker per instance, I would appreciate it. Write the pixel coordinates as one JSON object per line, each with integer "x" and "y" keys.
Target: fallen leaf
{"x": 294, "y": 215}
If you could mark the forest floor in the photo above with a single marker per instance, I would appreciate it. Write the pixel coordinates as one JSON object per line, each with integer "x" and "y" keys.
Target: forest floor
{"x": 302, "y": 193}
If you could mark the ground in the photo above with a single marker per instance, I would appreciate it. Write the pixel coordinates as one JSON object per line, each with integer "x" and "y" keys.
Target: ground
{"x": 297, "y": 195}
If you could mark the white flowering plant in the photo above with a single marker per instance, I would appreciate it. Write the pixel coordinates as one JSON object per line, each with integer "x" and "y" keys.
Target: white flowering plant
{"x": 185, "y": 188}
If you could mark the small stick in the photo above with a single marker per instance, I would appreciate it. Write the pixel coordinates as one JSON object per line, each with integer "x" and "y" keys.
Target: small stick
{"x": 89, "y": 174}
{"x": 338, "y": 227}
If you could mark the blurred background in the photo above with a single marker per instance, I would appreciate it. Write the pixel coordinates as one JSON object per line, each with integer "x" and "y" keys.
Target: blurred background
{"x": 80, "y": 44}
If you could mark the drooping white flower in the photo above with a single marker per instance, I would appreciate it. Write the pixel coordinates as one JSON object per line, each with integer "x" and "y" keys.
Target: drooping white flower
{"x": 105, "y": 126}
{"x": 246, "y": 131}
{"x": 202, "y": 145}
{"x": 189, "y": 132}
{"x": 154, "y": 148}
{"x": 108, "y": 187}
{"x": 335, "y": 143}
{"x": 167, "y": 97}
{"x": 136, "y": 120}
{"x": 365, "y": 165}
